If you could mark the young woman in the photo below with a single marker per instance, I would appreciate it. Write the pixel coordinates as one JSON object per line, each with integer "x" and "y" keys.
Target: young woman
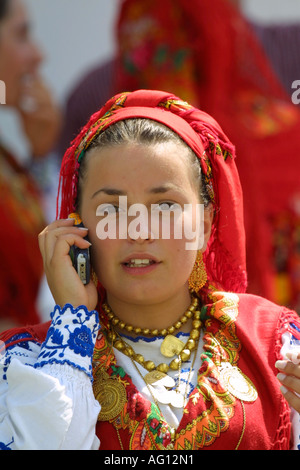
{"x": 161, "y": 349}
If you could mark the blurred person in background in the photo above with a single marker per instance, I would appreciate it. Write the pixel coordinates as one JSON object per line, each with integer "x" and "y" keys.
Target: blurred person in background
{"x": 21, "y": 212}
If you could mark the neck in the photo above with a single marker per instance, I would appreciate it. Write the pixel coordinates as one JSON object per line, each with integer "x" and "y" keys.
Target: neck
{"x": 155, "y": 315}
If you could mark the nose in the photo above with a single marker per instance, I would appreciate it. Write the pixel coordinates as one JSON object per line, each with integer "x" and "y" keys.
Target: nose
{"x": 35, "y": 56}
{"x": 38, "y": 55}
{"x": 139, "y": 228}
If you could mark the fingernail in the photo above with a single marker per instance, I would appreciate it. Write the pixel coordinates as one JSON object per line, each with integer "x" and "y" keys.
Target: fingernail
{"x": 280, "y": 364}
{"x": 281, "y": 377}
{"x": 283, "y": 389}
{"x": 295, "y": 357}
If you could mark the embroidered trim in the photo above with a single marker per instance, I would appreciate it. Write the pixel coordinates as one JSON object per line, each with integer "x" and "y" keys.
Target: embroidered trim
{"x": 151, "y": 340}
{"x": 6, "y": 363}
{"x": 21, "y": 339}
{"x": 6, "y": 446}
{"x": 70, "y": 338}
{"x": 220, "y": 344}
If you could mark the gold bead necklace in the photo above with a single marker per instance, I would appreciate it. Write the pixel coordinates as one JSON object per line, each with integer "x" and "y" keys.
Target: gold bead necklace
{"x": 116, "y": 322}
{"x": 170, "y": 346}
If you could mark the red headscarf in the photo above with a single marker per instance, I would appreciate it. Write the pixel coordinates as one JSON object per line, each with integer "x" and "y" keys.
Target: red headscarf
{"x": 225, "y": 255}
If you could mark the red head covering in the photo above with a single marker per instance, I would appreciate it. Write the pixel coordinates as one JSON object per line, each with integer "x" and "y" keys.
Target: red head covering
{"x": 225, "y": 255}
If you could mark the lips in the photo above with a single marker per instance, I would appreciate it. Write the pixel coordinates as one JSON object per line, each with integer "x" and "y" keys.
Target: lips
{"x": 139, "y": 261}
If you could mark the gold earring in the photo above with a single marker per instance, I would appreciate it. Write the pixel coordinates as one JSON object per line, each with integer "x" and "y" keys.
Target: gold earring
{"x": 95, "y": 278}
{"x": 198, "y": 276}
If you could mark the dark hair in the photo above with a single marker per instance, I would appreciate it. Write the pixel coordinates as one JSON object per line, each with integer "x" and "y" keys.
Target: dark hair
{"x": 4, "y": 4}
{"x": 147, "y": 132}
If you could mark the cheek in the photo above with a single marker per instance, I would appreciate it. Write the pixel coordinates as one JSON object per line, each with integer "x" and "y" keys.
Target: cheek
{"x": 103, "y": 256}
{"x": 181, "y": 259}
{"x": 194, "y": 227}
{"x": 7, "y": 64}
{"x": 11, "y": 71}
{"x": 189, "y": 227}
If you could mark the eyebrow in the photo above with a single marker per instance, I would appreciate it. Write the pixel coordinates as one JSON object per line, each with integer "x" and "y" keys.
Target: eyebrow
{"x": 109, "y": 192}
{"x": 117, "y": 192}
{"x": 164, "y": 188}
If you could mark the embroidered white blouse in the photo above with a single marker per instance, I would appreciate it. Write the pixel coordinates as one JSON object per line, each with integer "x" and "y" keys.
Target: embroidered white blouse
{"x": 46, "y": 395}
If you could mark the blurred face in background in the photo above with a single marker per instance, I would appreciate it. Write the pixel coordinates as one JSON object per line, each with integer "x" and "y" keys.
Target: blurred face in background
{"x": 19, "y": 55}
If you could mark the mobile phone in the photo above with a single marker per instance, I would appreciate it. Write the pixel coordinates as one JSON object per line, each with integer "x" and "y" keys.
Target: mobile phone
{"x": 80, "y": 257}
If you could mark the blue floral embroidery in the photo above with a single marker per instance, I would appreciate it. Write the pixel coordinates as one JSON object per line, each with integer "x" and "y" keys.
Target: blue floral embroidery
{"x": 8, "y": 351}
{"x": 6, "y": 363}
{"x": 5, "y": 446}
{"x": 81, "y": 341}
{"x": 18, "y": 338}
{"x": 71, "y": 336}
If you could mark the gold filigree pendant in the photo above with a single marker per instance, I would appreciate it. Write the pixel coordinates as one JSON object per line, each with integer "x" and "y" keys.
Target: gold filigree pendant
{"x": 111, "y": 395}
{"x": 237, "y": 383}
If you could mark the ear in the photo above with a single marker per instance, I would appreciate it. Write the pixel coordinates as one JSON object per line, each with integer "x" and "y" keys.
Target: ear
{"x": 207, "y": 224}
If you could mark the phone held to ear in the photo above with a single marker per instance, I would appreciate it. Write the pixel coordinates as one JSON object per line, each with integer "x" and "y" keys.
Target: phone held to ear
{"x": 80, "y": 257}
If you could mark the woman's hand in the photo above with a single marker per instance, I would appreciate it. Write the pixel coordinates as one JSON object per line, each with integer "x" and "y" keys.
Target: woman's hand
{"x": 66, "y": 287}
{"x": 289, "y": 377}
{"x": 40, "y": 116}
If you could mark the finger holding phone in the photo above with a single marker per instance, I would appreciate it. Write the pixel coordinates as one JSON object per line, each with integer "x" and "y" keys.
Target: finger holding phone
{"x": 55, "y": 242}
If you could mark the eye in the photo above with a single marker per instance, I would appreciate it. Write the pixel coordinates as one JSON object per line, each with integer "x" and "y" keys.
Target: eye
{"x": 166, "y": 206}
{"x": 108, "y": 209}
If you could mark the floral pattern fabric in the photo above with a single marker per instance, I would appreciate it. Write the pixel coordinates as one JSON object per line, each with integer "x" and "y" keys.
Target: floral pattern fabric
{"x": 66, "y": 338}
{"x": 45, "y": 387}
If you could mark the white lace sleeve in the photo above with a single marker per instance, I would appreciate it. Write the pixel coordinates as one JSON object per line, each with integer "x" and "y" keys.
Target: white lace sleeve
{"x": 46, "y": 396}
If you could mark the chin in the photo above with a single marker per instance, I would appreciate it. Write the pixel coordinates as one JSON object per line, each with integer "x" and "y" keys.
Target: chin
{"x": 138, "y": 295}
